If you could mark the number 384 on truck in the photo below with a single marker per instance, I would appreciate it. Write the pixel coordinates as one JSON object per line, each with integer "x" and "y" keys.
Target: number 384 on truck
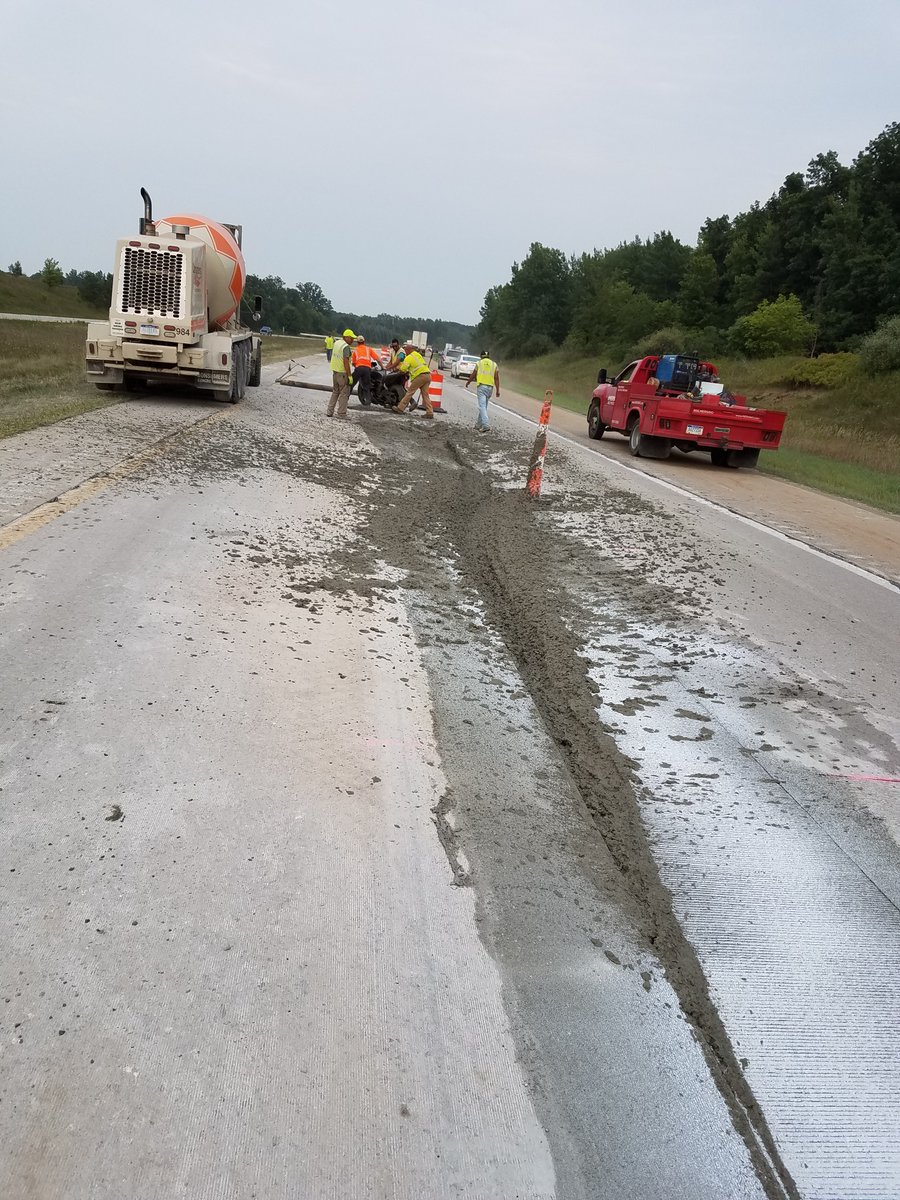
{"x": 662, "y": 401}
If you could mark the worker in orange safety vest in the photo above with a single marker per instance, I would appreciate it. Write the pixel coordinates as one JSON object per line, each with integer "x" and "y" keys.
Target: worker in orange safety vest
{"x": 363, "y": 358}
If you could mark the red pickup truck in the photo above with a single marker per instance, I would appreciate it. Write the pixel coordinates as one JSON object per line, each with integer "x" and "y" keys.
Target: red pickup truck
{"x": 671, "y": 400}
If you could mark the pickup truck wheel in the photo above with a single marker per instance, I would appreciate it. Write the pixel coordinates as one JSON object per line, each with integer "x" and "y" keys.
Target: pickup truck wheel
{"x": 634, "y": 438}
{"x": 596, "y": 428}
{"x": 743, "y": 458}
{"x": 719, "y": 458}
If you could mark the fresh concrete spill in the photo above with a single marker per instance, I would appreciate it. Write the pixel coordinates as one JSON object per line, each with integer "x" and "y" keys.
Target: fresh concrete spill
{"x": 619, "y": 1082}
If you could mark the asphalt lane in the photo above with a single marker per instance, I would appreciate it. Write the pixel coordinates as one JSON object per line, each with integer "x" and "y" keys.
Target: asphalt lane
{"x": 309, "y": 896}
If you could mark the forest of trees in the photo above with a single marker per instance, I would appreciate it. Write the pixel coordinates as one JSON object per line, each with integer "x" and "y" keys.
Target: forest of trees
{"x": 816, "y": 268}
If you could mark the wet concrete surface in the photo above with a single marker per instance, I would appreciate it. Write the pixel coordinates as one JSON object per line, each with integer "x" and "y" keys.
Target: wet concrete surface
{"x": 527, "y": 849}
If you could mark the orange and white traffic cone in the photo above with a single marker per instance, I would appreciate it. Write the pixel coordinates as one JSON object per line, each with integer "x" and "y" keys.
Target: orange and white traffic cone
{"x": 436, "y": 391}
{"x": 536, "y": 466}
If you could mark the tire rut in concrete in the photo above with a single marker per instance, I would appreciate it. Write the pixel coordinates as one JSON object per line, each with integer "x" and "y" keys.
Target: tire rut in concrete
{"x": 504, "y": 556}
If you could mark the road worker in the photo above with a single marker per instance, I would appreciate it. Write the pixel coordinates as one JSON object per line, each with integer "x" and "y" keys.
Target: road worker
{"x": 329, "y": 346}
{"x": 341, "y": 372}
{"x": 415, "y": 366}
{"x": 487, "y": 377}
{"x": 363, "y": 358}
{"x": 397, "y": 356}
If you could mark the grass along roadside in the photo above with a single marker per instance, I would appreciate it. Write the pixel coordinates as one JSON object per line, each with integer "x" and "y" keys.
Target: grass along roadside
{"x": 278, "y": 347}
{"x": 843, "y": 440}
{"x": 19, "y": 294}
{"x": 42, "y": 375}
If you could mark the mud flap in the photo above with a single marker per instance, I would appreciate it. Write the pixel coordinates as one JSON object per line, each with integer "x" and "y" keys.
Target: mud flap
{"x": 743, "y": 458}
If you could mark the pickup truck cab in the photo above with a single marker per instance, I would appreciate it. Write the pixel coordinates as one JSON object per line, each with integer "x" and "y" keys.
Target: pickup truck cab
{"x": 661, "y": 401}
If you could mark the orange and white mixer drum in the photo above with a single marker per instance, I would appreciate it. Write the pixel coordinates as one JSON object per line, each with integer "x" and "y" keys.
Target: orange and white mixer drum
{"x": 226, "y": 273}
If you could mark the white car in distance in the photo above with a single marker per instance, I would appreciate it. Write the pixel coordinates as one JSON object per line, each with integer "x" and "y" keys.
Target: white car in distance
{"x": 464, "y": 366}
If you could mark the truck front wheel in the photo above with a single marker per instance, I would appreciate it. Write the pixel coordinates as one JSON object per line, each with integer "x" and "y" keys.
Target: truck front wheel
{"x": 596, "y": 428}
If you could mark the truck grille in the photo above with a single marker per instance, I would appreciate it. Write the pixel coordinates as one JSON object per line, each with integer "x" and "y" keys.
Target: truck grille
{"x": 151, "y": 282}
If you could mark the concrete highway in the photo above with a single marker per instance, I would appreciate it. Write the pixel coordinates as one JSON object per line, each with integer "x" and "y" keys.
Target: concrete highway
{"x": 371, "y": 832}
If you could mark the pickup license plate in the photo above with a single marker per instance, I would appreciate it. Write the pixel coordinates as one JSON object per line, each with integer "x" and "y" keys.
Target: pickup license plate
{"x": 150, "y": 330}
{"x": 697, "y": 430}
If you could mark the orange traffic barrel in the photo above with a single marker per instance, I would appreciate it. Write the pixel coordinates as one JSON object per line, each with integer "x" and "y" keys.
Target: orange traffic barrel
{"x": 436, "y": 391}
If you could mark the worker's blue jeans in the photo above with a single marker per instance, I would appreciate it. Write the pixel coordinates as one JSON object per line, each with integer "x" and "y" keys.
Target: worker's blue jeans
{"x": 484, "y": 394}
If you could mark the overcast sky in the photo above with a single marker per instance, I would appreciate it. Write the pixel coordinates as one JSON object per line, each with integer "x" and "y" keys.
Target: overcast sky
{"x": 404, "y": 154}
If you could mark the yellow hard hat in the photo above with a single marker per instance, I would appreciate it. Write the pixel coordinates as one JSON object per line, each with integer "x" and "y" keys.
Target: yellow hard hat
{"x": 348, "y": 333}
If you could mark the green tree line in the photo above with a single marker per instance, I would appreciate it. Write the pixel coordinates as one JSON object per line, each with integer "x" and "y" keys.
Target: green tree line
{"x": 816, "y": 268}
{"x": 306, "y": 309}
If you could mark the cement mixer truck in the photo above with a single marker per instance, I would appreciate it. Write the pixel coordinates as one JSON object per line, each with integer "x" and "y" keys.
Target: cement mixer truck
{"x": 175, "y": 312}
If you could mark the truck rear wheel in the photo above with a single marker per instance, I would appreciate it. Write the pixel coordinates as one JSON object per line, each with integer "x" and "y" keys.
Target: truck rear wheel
{"x": 642, "y": 445}
{"x": 743, "y": 458}
{"x": 719, "y": 458}
{"x": 596, "y": 428}
{"x": 256, "y": 368}
{"x": 240, "y": 374}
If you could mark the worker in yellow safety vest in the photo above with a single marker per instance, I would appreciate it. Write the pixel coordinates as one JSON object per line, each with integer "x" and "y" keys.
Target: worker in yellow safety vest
{"x": 341, "y": 372}
{"x": 487, "y": 377}
{"x": 415, "y": 366}
{"x": 329, "y": 345}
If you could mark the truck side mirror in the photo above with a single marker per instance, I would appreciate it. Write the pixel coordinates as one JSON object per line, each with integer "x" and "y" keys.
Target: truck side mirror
{"x": 257, "y": 307}
{"x": 601, "y": 375}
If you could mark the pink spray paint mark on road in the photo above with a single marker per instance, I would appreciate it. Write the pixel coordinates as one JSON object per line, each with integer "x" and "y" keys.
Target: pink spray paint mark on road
{"x": 867, "y": 778}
